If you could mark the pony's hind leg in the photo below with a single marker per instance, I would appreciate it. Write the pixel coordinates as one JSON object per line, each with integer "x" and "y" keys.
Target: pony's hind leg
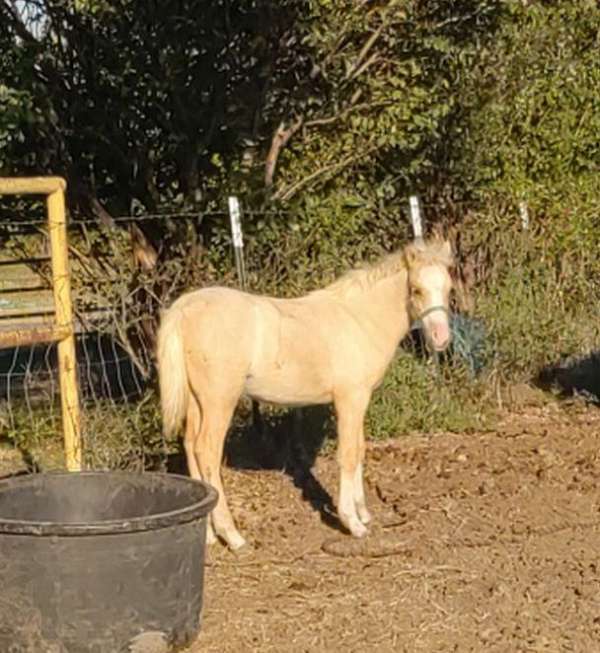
{"x": 208, "y": 449}
{"x": 192, "y": 431}
{"x": 352, "y": 510}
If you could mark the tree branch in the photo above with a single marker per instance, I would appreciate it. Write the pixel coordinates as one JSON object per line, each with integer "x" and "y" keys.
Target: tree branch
{"x": 342, "y": 114}
{"x": 144, "y": 253}
{"x": 369, "y": 62}
{"x": 280, "y": 140}
{"x": 285, "y": 194}
{"x": 101, "y": 213}
{"x": 364, "y": 52}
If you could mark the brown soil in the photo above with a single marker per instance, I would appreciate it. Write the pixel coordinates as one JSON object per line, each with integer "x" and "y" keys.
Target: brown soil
{"x": 481, "y": 542}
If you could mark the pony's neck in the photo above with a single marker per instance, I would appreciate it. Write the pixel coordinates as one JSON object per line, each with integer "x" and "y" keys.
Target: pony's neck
{"x": 383, "y": 307}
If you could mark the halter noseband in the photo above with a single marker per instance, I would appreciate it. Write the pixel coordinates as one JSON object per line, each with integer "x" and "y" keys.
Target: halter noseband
{"x": 428, "y": 311}
{"x": 433, "y": 309}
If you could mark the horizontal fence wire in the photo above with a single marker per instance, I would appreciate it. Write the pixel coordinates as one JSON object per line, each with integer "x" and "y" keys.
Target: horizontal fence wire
{"x": 401, "y": 205}
{"x": 121, "y": 219}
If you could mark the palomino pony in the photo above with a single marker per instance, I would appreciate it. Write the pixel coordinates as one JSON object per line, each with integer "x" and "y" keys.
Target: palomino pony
{"x": 332, "y": 345}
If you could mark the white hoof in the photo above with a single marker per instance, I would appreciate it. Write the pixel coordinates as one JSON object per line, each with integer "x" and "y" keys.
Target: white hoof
{"x": 358, "y": 529}
{"x": 235, "y": 541}
{"x": 354, "y": 525}
{"x": 364, "y": 515}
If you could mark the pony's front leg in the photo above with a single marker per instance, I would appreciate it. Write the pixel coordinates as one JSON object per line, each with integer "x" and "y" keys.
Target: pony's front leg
{"x": 352, "y": 510}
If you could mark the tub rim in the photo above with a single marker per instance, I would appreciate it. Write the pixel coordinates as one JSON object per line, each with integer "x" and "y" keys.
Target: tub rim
{"x": 194, "y": 511}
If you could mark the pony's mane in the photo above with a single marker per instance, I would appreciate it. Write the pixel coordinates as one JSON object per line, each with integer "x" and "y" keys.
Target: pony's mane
{"x": 364, "y": 277}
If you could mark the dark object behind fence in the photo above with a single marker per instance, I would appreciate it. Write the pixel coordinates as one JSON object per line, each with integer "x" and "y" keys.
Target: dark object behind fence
{"x": 105, "y": 371}
{"x": 578, "y": 377}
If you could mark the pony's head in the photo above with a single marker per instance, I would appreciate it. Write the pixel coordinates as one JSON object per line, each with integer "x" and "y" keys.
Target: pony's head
{"x": 428, "y": 265}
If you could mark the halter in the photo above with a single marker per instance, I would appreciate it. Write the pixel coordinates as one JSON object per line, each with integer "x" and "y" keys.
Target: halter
{"x": 432, "y": 309}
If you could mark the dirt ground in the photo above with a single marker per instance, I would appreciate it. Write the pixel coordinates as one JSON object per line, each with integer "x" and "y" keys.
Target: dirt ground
{"x": 481, "y": 542}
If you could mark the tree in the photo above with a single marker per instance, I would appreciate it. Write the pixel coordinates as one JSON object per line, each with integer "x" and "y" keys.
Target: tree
{"x": 135, "y": 100}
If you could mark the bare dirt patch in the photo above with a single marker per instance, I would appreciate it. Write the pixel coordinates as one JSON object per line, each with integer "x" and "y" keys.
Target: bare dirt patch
{"x": 481, "y": 542}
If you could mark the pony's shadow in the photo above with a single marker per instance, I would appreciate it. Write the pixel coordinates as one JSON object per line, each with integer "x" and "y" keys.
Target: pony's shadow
{"x": 288, "y": 441}
{"x": 574, "y": 378}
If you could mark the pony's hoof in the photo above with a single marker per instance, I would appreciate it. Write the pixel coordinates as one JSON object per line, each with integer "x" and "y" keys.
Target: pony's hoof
{"x": 360, "y": 531}
{"x": 235, "y": 541}
{"x": 365, "y": 516}
{"x": 244, "y": 552}
{"x": 357, "y": 528}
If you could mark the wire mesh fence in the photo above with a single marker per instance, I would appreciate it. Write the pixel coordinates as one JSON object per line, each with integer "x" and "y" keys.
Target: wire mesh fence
{"x": 120, "y": 421}
{"x": 114, "y": 355}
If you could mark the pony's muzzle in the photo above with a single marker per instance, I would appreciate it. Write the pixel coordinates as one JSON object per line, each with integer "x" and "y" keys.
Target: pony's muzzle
{"x": 437, "y": 331}
{"x": 441, "y": 339}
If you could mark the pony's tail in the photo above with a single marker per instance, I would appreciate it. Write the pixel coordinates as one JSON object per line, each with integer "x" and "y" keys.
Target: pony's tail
{"x": 172, "y": 375}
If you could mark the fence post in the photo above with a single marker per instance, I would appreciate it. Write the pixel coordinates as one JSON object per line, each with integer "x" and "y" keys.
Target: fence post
{"x": 415, "y": 217}
{"x": 240, "y": 266}
{"x": 62, "y": 330}
{"x": 238, "y": 239}
{"x": 61, "y": 282}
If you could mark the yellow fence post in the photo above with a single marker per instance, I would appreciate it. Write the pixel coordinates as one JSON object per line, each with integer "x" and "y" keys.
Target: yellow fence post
{"x": 67, "y": 362}
{"x": 63, "y": 331}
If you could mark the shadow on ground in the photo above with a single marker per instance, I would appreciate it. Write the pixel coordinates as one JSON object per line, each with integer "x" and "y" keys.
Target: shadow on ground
{"x": 287, "y": 441}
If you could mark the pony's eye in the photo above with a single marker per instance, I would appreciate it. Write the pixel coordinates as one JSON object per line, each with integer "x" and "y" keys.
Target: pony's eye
{"x": 417, "y": 294}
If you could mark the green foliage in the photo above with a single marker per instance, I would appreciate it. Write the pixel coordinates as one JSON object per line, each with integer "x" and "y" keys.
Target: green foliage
{"x": 291, "y": 252}
{"x": 137, "y": 105}
{"x": 540, "y": 300}
{"x": 380, "y": 93}
{"x": 114, "y": 436}
{"x": 425, "y": 396}
{"x": 14, "y": 105}
{"x": 133, "y": 101}
{"x": 534, "y": 111}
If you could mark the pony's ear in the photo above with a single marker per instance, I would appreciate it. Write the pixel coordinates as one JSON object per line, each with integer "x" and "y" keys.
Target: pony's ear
{"x": 441, "y": 249}
{"x": 447, "y": 253}
{"x": 413, "y": 251}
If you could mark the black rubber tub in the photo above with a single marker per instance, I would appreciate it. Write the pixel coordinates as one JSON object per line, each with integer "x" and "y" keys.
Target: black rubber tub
{"x": 101, "y": 562}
